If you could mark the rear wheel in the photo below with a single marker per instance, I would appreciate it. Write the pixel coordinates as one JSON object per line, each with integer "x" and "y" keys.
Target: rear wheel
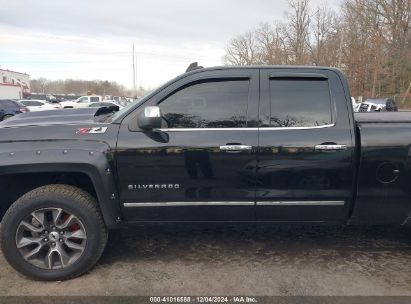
{"x": 54, "y": 232}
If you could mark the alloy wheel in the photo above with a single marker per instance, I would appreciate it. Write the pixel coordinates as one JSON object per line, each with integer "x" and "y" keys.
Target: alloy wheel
{"x": 51, "y": 238}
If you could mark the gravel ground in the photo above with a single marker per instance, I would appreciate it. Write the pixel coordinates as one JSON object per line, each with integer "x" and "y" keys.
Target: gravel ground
{"x": 247, "y": 260}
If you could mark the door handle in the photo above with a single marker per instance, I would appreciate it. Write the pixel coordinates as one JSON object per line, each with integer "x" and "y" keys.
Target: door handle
{"x": 235, "y": 148}
{"x": 330, "y": 147}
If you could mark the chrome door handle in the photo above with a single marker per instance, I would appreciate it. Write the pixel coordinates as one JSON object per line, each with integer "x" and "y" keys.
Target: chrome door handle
{"x": 330, "y": 147}
{"x": 235, "y": 148}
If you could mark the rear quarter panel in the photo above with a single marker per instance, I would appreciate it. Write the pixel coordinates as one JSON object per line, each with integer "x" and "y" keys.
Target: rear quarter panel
{"x": 384, "y": 180}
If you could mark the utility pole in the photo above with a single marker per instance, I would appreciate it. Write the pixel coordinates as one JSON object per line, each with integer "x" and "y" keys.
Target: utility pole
{"x": 340, "y": 49}
{"x": 134, "y": 72}
{"x": 136, "y": 65}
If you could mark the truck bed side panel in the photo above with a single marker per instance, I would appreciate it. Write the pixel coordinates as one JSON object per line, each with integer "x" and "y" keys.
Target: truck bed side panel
{"x": 384, "y": 189}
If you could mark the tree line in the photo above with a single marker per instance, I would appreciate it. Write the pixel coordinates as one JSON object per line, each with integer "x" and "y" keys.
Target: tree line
{"x": 82, "y": 87}
{"x": 370, "y": 40}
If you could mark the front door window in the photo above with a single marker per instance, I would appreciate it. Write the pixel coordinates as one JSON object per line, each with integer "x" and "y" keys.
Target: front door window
{"x": 209, "y": 104}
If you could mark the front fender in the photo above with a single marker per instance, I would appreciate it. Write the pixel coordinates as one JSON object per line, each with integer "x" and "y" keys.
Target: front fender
{"x": 93, "y": 158}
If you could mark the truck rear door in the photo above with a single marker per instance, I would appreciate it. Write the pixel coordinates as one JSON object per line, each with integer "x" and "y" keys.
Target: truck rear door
{"x": 306, "y": 147}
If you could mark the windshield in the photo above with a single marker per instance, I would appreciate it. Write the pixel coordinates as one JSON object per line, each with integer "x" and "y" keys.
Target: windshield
{"x": 126, "y": 108}
{"x": 135, "y": 103}
{"x": 141, "y": 100}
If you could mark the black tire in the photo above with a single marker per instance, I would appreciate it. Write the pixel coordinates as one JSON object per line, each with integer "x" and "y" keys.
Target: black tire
{"x": 7, "y": 116}
{"x": 74, "y": 200}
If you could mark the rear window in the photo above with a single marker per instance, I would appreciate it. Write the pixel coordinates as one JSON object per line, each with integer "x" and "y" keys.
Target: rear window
{"x": 300, "y": 102}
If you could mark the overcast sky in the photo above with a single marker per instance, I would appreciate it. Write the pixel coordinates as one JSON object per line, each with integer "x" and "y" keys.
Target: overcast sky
{"x": 92, "y": 39}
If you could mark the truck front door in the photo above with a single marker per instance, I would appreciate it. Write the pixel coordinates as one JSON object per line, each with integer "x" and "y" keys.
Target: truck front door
{"x": 305, "y": 162}
{"x": 200, "y": 166}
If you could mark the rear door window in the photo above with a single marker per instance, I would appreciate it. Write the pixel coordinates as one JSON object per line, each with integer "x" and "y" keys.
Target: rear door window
{"x": 299, "y": 102}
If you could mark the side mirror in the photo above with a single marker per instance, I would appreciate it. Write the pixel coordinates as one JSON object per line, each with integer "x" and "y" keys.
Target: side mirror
{"x": 149, "y": 118}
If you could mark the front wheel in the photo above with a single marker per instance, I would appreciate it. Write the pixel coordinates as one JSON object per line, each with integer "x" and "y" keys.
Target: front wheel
{"x": 54, "y": 232}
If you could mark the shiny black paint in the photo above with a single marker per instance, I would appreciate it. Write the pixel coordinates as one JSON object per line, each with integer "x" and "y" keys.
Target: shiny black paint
{"x": 290, "y": 169}
{"x": 282, "y": 165}
{"x": 383, "y": 195}
{"x": 191, "y": 159}
{"x": 48, "y": 149}
{"x": 194, "y": 162}
{"x": 53, "y": 117}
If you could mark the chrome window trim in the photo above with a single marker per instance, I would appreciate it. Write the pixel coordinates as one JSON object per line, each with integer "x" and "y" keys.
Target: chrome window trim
{"x": 301, "y": 203}
{"x": 205, "y": 129}
{"x": 243, "y": 129}
{"x": 298, "y": 128}
{"x": 182, "y": 204}
{"x": 305, "y": 76}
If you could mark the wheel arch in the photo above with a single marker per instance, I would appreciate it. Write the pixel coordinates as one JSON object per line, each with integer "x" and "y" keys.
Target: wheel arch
{"x": 38, "y": 166}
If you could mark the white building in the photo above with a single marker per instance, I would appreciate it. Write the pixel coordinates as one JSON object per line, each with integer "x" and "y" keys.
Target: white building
{"x": 14, "y": 85}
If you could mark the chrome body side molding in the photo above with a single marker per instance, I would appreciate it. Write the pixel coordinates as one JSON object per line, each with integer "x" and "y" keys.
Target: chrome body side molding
{"x": 243, "y": 129}
{"x": 301, "y": 203}
{"x": 268, "y": 203}
{"x": 186, "y": 204}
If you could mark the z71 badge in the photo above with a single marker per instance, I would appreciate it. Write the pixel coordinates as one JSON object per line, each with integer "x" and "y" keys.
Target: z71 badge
{"x": 95, "y": 130}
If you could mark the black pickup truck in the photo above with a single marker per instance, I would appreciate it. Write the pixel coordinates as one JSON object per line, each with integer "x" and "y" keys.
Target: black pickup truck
{"x": 227, "y": 144}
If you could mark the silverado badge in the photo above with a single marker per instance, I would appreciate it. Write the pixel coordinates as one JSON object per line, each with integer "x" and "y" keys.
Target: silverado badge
{"x": 153, "y": 186}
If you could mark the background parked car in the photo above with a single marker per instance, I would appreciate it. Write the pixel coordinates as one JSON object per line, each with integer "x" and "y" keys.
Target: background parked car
{"x": 356, "y": 107}
{"x": 39, "y": 105}
{"x": 38, "y": 96}
{"x": 105, "y": 104}
{"x": 45, "y": 97}
{"x": 82, "y": 102}
{"x": 370, "y": 107}
{"x": 9, "y": 108}
{"x": 387, "y": 104}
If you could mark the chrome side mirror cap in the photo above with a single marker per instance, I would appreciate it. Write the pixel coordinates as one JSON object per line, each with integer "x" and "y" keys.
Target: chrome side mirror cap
{"x": 149, "y": 118}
